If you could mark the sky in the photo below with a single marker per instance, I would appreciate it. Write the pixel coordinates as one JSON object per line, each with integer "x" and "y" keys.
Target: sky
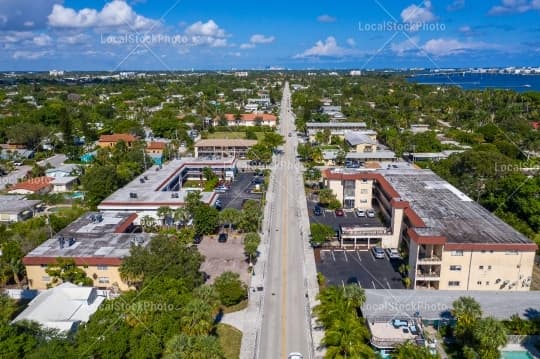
{"x": 168, "y": 35}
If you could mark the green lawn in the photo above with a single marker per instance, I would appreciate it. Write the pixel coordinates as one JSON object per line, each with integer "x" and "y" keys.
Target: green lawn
{"x": 235, "y": 308}
{"x": 233, "y": 134}
{"x": 230, "y": 340}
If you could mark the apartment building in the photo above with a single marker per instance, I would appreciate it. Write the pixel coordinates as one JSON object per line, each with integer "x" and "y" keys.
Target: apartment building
{"x": 247, "y": 119}
{"x": 452, "y": 242}
{"x": 97, "y": 242}
{"x": 224, "y": 148}
{"x": 337, "y": 128}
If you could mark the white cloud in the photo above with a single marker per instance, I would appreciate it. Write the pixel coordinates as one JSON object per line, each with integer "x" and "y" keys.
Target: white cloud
{"x": 257, "y": 39}
{"x": 42, "y": 40}
{"x": 12, "y": 37}
{"x": 327, "y": 48}
{"x": 116, "y": 13}
{"x": 447, "y": 47}
{"x": 261, "y": 39}
{"x": 209, "y": 28}
{"x": 206, "y": 34}
{"x": 414, "y": 14}
{"x": 74, "y": 39}
{"x": 326, "y": 18}
{"x": 465, "y": 29}
{"x": 514, "y": 6}
{"x": 25, "y": 14}
{"x": 30, "y": 55}
{"x": 408, "y": 45}
{"x": 456, "y": 5}
{"x": 28, "y": 23}
{"x": 351, "y": 42}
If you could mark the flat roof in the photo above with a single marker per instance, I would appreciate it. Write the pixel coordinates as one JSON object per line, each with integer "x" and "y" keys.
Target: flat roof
{"x": 357, "y": 137}
{"x": 149, "y": 190}
{"x": 385, "y": 155}
{"x": 336, "y": 124}
{"x": 437, "y": 304}
{"x": 16, "y": 203}
{"x": 225, "y": 142}
{"x": 100, "y": 238}
{"x": 64, "y": 180}
{"x": 447, "y": 211}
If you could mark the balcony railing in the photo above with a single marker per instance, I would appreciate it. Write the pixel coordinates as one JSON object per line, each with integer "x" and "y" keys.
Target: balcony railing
{"x": 426, "y": 274}
{"x": 428, "y": 258}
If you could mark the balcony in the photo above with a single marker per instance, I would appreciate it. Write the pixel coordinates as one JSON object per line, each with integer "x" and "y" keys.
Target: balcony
{"x": 420, "y": 274}
{"x": 429, "y": 259}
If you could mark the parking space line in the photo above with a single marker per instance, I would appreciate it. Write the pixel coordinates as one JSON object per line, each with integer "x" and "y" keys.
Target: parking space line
{"x": 373, "y": 283}
{"x": 333, "y": 256}
{"x": 345, "y": 254}
{"x": 358, "y": 255}
{"x": 388, "y": 284}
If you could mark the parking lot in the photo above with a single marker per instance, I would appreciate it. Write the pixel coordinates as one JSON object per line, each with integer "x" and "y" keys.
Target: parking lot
{"x": 223, "y": 257}
{"x": 341, "y": 267}
{"x": 349, "y": 218}
{"x": 239, "y": 192}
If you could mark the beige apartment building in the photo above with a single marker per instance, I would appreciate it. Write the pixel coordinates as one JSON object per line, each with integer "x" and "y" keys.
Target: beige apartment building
{"x": 97, "y": 242}
{"x": 452, "y": 242}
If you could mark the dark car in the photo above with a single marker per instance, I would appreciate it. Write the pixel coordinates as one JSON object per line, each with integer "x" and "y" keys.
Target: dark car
{"x": 317, "y": 211}
{"x": 197, "y": 239}
{"x": 339, "y": 212}
{"x": 222, "y": 238}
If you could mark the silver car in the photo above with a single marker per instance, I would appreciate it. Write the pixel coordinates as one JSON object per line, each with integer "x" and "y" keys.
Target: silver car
{"x": 378, "y": 252}
{"x": 295, "y": 355}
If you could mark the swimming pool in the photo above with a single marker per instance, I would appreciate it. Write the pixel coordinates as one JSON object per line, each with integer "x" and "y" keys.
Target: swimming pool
{"x": 516, "y": 355}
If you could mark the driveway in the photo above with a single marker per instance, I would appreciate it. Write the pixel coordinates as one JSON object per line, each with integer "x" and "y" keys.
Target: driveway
{"x": 14, "y": 176}
{"x": 341, "y": 267}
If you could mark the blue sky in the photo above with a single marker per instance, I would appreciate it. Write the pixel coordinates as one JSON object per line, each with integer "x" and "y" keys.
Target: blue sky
{"x": 177, "y": 35}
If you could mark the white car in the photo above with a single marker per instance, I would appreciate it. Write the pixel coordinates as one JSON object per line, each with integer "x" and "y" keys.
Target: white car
{"x": 360, "y": 212}
{"x": 295, "y": 355}
{"x": 393, "y": 253}
{"x": 370, "y": 213}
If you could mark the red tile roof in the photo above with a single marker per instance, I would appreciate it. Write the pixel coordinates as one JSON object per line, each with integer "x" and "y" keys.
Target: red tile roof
{"x": 156, "y": 145}
{"x": 126, "y": 137}
{"x": 33, "y": 184}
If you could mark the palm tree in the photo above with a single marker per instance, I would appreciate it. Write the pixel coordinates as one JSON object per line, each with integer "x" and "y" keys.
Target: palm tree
{"x": 467, "y": 311}
{"x": 410, "y": 350}
{"x": 230, "y": 215}
{"x": 347, "y": 338}
{"x": 354, "y": 296}
{"x": 164, "y": 213}
{"x": 16, "y": 267}
{"x": 148, "y": 223}
{"x": 181, "y": 215}
{"x": 187, "y": 347}
{"x": 489, "y": 335}
{"x": 196, "y": 318}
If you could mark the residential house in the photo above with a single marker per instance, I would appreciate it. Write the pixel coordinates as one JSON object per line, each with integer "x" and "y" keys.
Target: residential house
{"x": 106, "y": 141}
{"x": 39, "y": 185}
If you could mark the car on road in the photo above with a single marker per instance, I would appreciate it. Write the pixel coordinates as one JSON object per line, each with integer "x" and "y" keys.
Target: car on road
{"x": 221, "y": 189}
{"x": 393, "y": 253}
{"x": 378, "y": 252}
{"x": 360, "y": 212}
{"x": 370, "y": 213}
{"x": 222, "y": 238}
{"x": 339, "y": 212}
{"x": 295, "y": 355}
{"x": 317, "y": 211}
{"x": 290, "y": 134}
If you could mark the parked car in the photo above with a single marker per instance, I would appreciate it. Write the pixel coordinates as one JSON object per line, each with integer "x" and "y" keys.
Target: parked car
{"x": 378, "y": 252}
{"x": 317, "y": 211}
{"x": 295, "y": 355}
{"x": 339, "y": 212}
{"x": 360, "y": 212}
{"x": 290, "y": 134}
{"x": 370, "y": 213}
{"x": 197, "y": 239}
{"x": 222, "y": 238}
{"x": 393, "y": 253}
{"x": 221, "y": 189}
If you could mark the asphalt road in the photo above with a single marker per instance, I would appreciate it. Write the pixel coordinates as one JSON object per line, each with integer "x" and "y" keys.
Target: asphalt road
{"x": 285, "y": 318}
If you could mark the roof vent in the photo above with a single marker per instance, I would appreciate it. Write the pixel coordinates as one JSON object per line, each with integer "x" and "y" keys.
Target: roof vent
{"x": 133, "y": 195}
{"x": 61, "y": 242}
{"x": 141, "y": 180}
{"x": 71, "y": 241}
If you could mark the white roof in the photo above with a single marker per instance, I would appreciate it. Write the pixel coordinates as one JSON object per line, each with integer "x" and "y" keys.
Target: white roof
{"x": 62, "y": 307}
{"x": 357, "y": 138}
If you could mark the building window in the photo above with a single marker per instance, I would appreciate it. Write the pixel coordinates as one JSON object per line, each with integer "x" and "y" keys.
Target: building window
{"x": 364, "y": 191}
{"x": 46, "y": 278}
{"x": 103, "y": 280}
{"x": 457, "y": 253}
{"x": 480, "y": 267}
{"x": 511, "y": 253}
{"x": 102, "y": 267}
{"x": 479, "y": 282}
{"x": 489, "y": 267}
{"x": 453, "y": 283}
{"x": 487, "y": 283}
{"x": 455, "y": 267}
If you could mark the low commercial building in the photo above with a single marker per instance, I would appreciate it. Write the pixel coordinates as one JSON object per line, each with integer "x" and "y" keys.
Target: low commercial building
{"x": 452, "y": 242}
{"x": 247, "y": 119}
{"x": 63, "y": 308}
{"x": 63, "y": 171}
{"x": 15, "y": 208}
{"x": 106, "y": 141}
{"x": 97, "y": 242}
{"x": 336, "y": 128}
{"x": 224, "y": 148}
{"x": 166, "y": 186}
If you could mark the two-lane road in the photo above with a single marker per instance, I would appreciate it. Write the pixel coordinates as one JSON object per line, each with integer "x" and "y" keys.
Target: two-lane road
{"x": 285, "y": 320}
